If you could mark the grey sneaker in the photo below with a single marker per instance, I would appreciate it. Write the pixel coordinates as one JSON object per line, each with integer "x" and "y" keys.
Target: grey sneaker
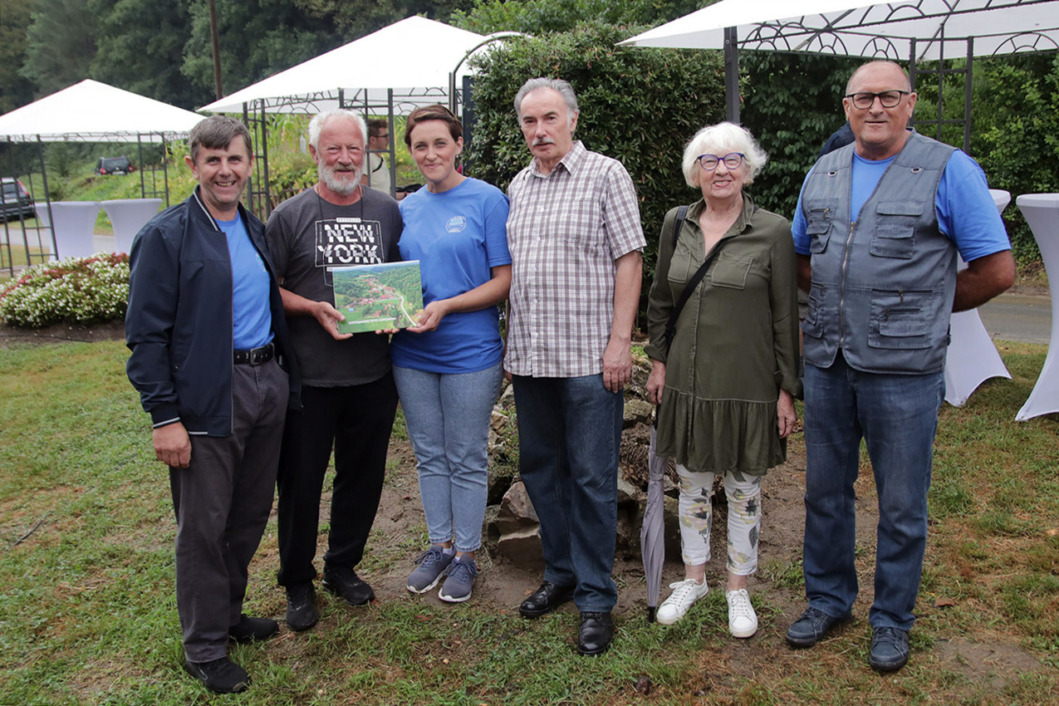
{"x": 431, "y": 566}
{"x": 459, "y": 578}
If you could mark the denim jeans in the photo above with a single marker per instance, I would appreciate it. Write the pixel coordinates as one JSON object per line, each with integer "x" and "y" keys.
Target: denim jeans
{"x": 448, "y": 423}
{"x": 569, "y": 435}
{"x": 897, "y": 415}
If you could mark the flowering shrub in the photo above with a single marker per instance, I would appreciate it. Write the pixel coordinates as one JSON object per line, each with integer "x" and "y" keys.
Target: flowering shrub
{"x": 77, "y": 289}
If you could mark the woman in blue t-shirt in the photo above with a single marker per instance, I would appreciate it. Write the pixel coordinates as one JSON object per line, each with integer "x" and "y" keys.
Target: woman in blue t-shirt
{"x": 448, "y": 367}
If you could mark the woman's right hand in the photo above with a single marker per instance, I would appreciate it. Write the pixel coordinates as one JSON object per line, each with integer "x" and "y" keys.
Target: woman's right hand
{"x": 656, "y": 381}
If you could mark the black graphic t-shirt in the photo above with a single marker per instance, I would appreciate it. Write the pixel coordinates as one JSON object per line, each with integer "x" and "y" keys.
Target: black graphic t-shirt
{"x": 307, "y": 236}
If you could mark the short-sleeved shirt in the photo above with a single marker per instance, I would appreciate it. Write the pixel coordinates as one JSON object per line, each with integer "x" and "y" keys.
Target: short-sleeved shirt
{"x": 251, "y": 318}
{"x": 565, "y": 231}
{"x": 458, "y": 236}
{"x": 307, "y": 236}
{"x": 966, "y": 213}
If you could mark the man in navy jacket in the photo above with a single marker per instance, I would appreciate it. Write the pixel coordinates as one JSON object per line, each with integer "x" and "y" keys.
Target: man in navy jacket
{"x": 209, "y": 358}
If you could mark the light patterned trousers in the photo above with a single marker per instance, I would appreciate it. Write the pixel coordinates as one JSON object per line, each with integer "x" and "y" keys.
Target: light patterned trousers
{"x": 696, "y": 515}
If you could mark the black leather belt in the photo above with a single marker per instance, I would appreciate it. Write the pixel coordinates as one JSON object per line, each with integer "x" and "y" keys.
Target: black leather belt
{"x": 256, "y": 356}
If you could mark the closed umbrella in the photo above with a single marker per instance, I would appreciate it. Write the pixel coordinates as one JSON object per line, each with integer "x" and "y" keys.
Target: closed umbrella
{"x": 652, "y": 534}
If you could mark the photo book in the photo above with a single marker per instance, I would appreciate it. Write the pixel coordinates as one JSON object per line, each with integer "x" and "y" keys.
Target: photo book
{"x": 375, "y": 297}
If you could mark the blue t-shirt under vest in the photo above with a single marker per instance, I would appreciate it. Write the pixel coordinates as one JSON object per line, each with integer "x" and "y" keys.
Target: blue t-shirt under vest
{"x": 967, "y": 218}
{"x": 458, "y": 236}
{"x": 251, "y": 318}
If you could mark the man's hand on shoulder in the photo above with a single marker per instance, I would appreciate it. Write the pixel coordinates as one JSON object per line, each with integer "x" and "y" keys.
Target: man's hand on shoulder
{"x": 617, "y": 365}
{"x": 172, "y": 445}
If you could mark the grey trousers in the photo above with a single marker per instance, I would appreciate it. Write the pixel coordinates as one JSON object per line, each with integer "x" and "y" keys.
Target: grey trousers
{"x": 222, "y": 503}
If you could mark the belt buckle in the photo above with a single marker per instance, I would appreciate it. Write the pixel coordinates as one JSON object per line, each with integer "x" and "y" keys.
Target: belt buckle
{"x": 259, "y": 355}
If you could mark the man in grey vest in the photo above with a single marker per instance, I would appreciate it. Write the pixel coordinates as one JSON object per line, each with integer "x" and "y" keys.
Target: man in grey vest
{"x": 877, "y": 231}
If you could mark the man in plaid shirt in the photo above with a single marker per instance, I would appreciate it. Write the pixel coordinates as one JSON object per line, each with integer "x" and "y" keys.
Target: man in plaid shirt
{"x": 576, "y": 241}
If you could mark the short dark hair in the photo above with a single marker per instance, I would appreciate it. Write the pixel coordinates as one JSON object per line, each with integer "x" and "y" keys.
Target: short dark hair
{"x": 432, "y": 112}
{"x": 216, "y": 133}
{"x": 377, "y": 125}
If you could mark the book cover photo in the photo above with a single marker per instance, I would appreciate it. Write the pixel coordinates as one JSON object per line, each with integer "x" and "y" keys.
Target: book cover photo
{"x": 374, "y": 297}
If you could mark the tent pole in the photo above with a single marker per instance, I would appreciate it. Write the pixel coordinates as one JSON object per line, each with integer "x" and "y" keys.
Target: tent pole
{"x": 731, "y": 74}
{"x": 47, "y": 201}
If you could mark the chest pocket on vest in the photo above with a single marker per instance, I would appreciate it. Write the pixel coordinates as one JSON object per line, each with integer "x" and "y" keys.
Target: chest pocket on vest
{"x": 895, "y": 230}
{"x": 730, "y": 271}
{"x": 818, "y": 228}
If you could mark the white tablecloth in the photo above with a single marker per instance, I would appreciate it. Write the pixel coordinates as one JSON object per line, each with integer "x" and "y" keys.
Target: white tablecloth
{"x": 128, "y": 216}
{"x": 73, "y": 226}
{"x": 972, "y": 358}
{"x": 1042, "y": 215}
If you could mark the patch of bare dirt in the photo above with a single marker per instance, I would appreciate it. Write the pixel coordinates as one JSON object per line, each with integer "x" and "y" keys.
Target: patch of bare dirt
{"x": 62, "y": 333}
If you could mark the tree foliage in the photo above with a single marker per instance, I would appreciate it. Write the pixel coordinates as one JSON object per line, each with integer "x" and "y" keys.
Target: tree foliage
{"x": 639, "y": 106}
{"x": 538, "y": 17}
{"x": 15, "y": 89}
{"x": 60, "y": 44}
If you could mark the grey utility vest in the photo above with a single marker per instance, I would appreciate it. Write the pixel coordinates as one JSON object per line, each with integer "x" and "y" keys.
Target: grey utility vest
{"x": 883, "y": 286}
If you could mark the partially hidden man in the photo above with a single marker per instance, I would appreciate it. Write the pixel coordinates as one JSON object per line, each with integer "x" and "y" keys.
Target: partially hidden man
{"x": 349, "y": 397}
{"x": 210, "y": 358}
{"x": 576, "y": 246}
{"x": 877, "y": 231}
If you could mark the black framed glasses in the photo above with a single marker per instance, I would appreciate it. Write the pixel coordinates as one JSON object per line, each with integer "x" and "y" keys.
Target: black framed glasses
{"x": 888, "y": 99}
{"x": 709, "y": 162}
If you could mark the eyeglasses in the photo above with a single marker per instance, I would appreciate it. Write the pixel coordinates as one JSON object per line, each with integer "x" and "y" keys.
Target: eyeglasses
{"x": 865, "y": 100}
{"x": 709, "y": 162}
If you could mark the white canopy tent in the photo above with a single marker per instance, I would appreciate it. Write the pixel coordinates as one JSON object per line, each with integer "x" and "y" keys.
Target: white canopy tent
{"x": 917, "y": 30}
{"x": 411, "y": 58}
{"x": 90, "y": 111}
{"x": 413, "y": 62}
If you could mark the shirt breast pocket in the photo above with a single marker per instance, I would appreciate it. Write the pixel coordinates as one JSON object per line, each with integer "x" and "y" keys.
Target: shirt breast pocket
{"x": 731, "y": 271}
{"x": 895, "y": 230}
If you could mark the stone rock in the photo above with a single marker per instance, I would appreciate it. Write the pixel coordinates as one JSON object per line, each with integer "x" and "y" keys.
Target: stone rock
{"x": 637, "y": 411}
{"x": 523, "y": 549}
{"x": 516, "y": 511}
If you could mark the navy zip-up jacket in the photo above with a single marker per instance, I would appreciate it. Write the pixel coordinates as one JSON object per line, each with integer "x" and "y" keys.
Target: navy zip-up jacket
{"x": 179, "y": 321}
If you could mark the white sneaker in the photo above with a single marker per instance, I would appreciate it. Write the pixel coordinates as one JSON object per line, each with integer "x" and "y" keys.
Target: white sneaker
{"x": 684, "y": 595}
{"x": 742, "y": 620}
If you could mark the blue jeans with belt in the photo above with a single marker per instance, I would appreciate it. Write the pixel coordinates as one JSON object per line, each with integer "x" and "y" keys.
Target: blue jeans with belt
{"x": 569, "y": 436}
{"x": 897, "y": 416}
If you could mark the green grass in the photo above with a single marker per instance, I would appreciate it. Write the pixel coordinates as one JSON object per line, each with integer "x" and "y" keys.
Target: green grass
{"x": 88, "y": 615}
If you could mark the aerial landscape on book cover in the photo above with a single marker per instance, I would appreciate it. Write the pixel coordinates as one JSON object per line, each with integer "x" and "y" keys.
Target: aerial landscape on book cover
{"x": 374, "y": 297}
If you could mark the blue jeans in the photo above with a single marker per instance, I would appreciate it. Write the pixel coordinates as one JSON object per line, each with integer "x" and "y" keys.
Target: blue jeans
{"x": 448, "y": 422}
{"x": 569, "y": 434}
{"x": 897, "y": 416}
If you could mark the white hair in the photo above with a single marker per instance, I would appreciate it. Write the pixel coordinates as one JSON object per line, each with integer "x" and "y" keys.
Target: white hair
{"x": 316, "y": 125}
{"x": 720, "y": 139}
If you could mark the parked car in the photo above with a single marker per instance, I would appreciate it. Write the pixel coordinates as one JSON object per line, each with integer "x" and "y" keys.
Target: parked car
{"x": 114, "y": 165}
{"x": 15, "y": 201}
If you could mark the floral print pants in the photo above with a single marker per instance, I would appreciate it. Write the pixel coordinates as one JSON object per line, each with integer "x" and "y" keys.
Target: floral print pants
{"x": 744, "y": 518}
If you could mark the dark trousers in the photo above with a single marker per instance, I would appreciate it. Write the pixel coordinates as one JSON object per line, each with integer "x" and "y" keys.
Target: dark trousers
{"x": 222, "y": 503}
{"x": 356, "y": 421}
{"x": 569, "y": 433}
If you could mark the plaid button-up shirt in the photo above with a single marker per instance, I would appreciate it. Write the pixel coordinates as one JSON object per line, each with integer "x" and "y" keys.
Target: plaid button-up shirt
{"x": 565, "y": 230}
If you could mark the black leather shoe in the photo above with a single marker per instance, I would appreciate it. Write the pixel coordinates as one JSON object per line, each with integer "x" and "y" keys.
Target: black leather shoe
{"x": 811, "y": 627}
{"x": 545, "y": 599}
{"x": 344, "y": 582}
{"x": 597, "y": 630}
{"x": 221, "y": 676}
{"x": 249, "y": 629}
{"x": 301, "y": 607}
{"x": 889, "y": 649}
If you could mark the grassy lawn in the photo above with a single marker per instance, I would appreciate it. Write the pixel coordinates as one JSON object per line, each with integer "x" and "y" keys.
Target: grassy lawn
{"x": 88, "y": 615}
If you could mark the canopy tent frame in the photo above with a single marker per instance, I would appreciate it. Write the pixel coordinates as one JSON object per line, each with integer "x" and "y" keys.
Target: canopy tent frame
{"x": 879, "y": 30}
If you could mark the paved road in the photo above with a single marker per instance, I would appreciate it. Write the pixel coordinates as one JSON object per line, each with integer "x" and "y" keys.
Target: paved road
{"x": 1017, "y": 317}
